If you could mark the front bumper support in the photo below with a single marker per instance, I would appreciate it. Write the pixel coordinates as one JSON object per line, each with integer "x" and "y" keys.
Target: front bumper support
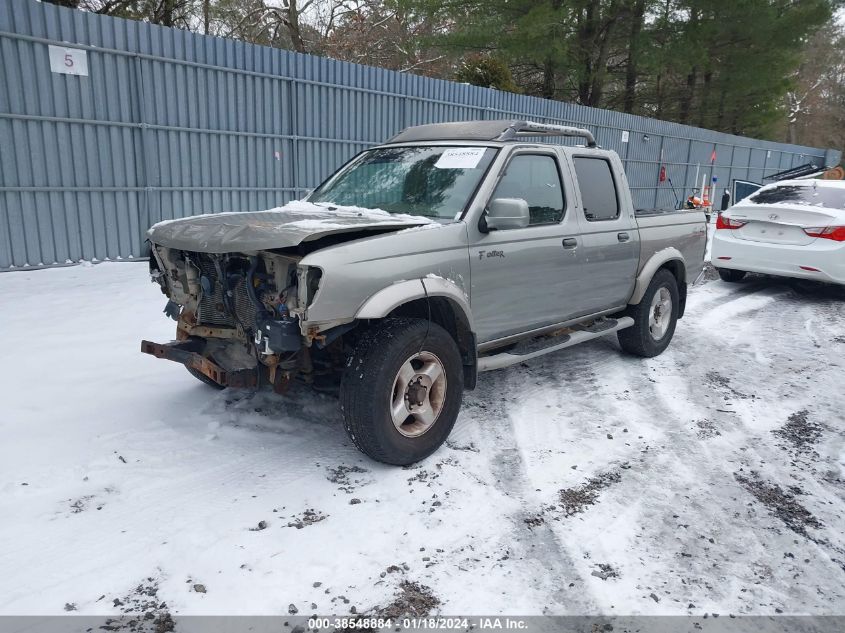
{"x": 189, "y": 354}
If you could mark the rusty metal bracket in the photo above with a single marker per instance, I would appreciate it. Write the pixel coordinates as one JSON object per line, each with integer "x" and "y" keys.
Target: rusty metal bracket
{"x": 188, "y": 353}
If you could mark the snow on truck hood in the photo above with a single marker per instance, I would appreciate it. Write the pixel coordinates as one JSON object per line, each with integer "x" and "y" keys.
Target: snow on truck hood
{"x": 290, "y": 225}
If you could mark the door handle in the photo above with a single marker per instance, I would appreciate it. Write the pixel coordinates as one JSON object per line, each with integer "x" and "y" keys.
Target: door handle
{"x": 623, "y": 237}
{"x": 570, "y": 242}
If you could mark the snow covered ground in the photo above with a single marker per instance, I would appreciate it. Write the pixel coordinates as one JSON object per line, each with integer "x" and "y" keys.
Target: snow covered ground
{"x": 709, "y": 479}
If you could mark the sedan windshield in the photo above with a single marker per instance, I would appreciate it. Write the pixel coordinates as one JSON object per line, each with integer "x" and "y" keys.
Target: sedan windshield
{"x": 435, "y": 182}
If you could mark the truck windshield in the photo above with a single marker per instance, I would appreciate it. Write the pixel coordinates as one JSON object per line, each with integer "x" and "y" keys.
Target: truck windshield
{"x": 432, "y": 181}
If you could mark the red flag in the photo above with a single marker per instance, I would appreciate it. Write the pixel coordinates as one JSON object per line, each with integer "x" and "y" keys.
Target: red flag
{"x": 663, "y": 173}
{"x": 713, "y": 156}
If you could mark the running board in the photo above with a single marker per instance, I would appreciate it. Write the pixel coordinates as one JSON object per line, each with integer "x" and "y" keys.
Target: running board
{"x": 506, "y": 359}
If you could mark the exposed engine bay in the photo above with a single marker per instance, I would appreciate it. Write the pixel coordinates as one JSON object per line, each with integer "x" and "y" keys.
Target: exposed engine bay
{"x": 240, "y": 317}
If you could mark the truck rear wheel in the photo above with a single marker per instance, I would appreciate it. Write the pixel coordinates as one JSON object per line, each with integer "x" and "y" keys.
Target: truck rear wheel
{"x": 654, "y": 317}
{"x": 401, "y": 391}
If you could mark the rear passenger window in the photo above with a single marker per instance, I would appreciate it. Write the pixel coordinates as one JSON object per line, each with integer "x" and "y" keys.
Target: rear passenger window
{"x": 598, "y": 189}
{"x": 535, "y": 179}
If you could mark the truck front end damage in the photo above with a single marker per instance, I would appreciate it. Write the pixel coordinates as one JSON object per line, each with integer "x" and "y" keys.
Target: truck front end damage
{"x": 240, "y": 317}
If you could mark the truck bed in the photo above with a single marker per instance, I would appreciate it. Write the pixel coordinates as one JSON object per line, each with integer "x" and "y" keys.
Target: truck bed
{"x": 683, "y": 229}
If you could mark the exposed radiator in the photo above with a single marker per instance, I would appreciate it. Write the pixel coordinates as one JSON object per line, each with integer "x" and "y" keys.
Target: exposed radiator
{"x": 212, "y": 311}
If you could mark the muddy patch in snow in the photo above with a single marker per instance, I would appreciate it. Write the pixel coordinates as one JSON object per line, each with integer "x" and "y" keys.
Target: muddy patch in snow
{"x": 394, "y": 569}
{"x": 87, "y": 502}
{"x": 800, "y": 431}
{"x": 577, "y": 499}
{"x": 344, "y": 477}
{"x": 455, "y": 446}
{"x": 781, "y": 503}
{"x": 143, "y": 611}
{"x": 81, "y": 504}
{"x": 412, "y": 600}
{"x": 424, "y": 477}
{"x": 309, "y": 517}
{"x": 720, "y": 382}
{"x": 605, "y": 571}
{"x": 706, "y": 429}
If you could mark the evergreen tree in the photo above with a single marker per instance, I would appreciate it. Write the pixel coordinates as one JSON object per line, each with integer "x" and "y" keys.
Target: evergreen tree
{"x": 487, "y": 72}
{"x": 720, "y": 65}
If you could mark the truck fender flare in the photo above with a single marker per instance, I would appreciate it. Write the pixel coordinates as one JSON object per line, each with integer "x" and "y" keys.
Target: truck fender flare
{"x": 388, "y": 299}
{"x": 651, "y": 266}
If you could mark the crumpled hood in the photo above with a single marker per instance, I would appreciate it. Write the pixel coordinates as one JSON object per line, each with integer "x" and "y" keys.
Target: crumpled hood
{"x": 281, "y": 227}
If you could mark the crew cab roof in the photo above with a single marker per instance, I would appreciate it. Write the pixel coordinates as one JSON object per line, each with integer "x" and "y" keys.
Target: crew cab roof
{"x": 498, "y": 130}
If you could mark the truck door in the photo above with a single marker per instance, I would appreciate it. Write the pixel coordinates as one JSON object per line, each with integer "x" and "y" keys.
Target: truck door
{"x": 524, "y": 278}
{"x": 609, "y": 231}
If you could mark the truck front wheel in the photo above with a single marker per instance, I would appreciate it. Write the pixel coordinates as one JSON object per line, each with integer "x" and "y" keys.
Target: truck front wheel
{"x": 401, "y": 390}
{"x": 654, "y": 317}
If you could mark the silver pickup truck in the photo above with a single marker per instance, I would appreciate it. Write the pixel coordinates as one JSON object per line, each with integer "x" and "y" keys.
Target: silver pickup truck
{"x": 450, "y": 250}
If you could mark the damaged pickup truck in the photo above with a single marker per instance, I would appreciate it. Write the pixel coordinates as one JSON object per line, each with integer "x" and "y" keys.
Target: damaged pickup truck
{"x": 450, "y": 250}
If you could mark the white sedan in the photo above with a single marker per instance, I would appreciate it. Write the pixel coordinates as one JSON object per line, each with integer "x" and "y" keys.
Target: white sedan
{"x": 793, "y": 228}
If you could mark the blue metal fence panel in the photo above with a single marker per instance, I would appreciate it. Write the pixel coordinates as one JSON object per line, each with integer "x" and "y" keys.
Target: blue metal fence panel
{"x": 169, "y": 124}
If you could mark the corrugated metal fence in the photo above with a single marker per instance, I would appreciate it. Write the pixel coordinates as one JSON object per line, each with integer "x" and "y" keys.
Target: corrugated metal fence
{"x": 168, "y": 123}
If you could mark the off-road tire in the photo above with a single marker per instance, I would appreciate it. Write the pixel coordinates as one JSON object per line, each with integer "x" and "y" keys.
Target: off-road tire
{"x": 203, "y": 378}
{"x": 730, "y": 275}
{"x": 368, "y": 380}
{"x": 637, "y": 339}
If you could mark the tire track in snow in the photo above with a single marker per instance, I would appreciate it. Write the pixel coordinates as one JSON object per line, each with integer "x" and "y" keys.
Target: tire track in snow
{"x": 643, "y": 499}
{"x": 545, "y": 558}
{"x": 684, "y": 565}
{"x": 750, "y": 423}
{"x": 722, "y": 311}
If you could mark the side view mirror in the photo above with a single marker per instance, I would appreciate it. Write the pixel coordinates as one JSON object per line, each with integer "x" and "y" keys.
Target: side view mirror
{"x": 507, "y": 213}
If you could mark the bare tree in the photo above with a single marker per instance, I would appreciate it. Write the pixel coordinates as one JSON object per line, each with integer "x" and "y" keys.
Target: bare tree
{"x": 173, "y": 13}
{"x": 381, "y": 33}
{"x": 815, "y": 105}
{"x": 276, "y": 23}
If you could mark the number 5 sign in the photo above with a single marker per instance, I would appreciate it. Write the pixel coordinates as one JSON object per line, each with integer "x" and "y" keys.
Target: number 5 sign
{"x": 68, "y": 61}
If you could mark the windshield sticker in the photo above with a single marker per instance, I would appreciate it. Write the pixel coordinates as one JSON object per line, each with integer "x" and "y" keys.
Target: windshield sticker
{"x": 460, "y": 158}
